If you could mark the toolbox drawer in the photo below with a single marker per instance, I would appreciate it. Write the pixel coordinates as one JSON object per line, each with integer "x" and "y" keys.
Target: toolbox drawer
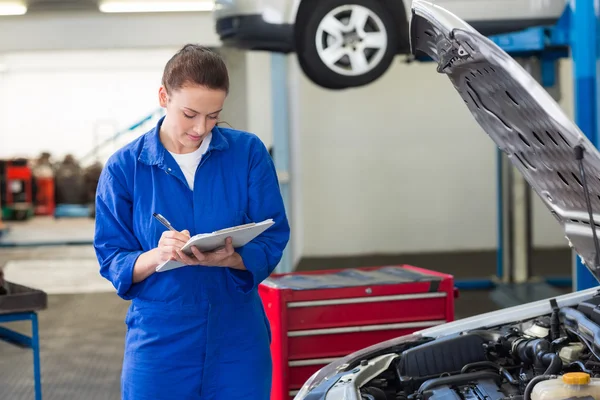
{"x": 366, "y": 311}
{"x": 342, "y": 341}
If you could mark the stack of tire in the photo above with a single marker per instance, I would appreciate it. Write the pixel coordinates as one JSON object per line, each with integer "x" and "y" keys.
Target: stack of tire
{"x": 69, "y": 182}
{"x": 43, "y": 185}
{"x": 91, "y": 176}
{"x": 2, "y": 288}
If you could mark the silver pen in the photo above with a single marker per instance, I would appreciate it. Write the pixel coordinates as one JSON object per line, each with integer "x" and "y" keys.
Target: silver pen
{"x": 164, "y": 221}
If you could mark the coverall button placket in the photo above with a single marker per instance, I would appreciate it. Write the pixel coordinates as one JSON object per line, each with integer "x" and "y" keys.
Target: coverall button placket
{"x": 198, "y": 199}
{"x": 173, "y": 171}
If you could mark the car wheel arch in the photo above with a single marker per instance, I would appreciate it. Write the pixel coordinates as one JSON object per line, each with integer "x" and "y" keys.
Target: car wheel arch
{"x": 396, "y": 7}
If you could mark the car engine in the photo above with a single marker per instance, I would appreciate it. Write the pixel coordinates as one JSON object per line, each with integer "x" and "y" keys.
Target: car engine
{"x": 494, "y": 363}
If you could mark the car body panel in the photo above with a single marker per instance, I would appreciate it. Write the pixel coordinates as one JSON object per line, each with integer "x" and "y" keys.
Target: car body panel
{"x": 502, "y": 16}
{"x": 272, "y": 11}
{"x": 254, "y": 24}
{"x": 285, "y": 11}
{"x": 476, "y": 10}
{"x": 507, "y": 315}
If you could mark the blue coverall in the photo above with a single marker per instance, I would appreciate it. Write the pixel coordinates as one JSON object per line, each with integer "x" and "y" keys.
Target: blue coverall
{"x": 196, "y": 332}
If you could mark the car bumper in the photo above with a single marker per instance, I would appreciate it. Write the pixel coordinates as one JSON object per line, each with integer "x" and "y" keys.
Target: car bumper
{"x": 252, "y": 32}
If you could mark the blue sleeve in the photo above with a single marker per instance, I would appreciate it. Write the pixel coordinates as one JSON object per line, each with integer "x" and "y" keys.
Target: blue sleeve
{"x": 262, "y": 255}
{"x": 116, "y": 246}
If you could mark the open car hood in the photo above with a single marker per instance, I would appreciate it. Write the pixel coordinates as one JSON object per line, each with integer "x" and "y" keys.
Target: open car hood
{"x": 519, "y": 116}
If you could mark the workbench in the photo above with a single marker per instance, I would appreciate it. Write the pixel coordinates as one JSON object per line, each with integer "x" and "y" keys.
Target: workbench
{"x": 20, "y": 303}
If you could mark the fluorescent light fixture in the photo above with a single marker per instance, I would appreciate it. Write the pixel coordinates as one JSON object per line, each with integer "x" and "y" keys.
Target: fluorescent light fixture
{"x": 12, "y": 8}
{"x": 124, "y": 6}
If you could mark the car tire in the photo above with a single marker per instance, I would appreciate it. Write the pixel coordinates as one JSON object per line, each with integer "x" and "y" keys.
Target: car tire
{"x": 346, "y": 43}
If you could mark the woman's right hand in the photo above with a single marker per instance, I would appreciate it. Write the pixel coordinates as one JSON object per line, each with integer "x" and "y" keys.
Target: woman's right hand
{"x": 169, "y": 243}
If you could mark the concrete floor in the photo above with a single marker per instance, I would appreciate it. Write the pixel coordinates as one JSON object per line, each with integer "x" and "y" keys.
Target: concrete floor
{"x": 82, "y": 329}
{"x": 81, "y": 339}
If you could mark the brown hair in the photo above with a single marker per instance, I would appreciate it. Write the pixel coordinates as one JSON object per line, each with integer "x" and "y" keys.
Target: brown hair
{"x": 195, "y": 64}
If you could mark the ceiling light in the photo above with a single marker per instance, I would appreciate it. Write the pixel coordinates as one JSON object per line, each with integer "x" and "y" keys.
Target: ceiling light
{"x": 154, "y": 6}
{"x": 12, "y": 8}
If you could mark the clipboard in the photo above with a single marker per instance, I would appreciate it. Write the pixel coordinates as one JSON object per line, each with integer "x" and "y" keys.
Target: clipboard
{"x": 240, "y": 235}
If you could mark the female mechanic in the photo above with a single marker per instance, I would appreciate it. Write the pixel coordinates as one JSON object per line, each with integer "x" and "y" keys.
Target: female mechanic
{"x": 199, "y": 331}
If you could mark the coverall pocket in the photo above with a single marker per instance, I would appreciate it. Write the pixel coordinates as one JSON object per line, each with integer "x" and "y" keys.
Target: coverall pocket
{"x": 128, "y": 317}
{"x": 243, "y": 218}
{"x": 267, "y": 324}
{"x": 157, "y": 330}
{"x": 239, "y": 218}
{"x": 222, "y": 219}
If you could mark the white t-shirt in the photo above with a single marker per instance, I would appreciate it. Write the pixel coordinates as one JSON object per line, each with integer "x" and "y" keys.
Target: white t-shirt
{"x": 189, "y": 162}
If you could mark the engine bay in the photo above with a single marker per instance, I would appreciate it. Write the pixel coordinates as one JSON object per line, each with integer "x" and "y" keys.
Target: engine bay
{"x": 495, "y": 363}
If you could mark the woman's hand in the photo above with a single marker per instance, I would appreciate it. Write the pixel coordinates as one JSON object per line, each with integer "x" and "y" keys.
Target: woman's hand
{"x": 170, "y": 244}
{"x": 222, "y": 257}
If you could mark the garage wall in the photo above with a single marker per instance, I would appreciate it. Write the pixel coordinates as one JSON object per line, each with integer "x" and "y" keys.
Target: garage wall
{"x": 81, "y": 74}
{"x": 378, "y": 174}
{"x": 65, "y": 102}
{"x": 235, "y": 113}
{"x": 248, "y": 105}
{"x": 384, "y": 175}
{"x": 258, "y": 84}
{"x": 95, "y": 30}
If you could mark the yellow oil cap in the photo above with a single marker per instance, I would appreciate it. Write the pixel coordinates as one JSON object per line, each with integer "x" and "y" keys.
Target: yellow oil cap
{"x": 576, "y": 378}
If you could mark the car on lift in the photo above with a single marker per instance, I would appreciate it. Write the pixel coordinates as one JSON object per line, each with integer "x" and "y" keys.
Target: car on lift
{"x": 350, "y": 43}
{"x": 548, "y": 349}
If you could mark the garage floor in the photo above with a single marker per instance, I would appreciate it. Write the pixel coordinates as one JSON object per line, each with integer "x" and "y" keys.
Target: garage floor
{"x": 82, "y": 330}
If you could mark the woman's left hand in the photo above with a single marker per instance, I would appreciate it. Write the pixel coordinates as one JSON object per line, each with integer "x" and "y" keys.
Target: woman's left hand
{"x": 223, "y": 257}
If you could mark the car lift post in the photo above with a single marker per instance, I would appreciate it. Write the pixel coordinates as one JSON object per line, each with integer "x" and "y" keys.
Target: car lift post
{"x": 280, "y": 103}
{"x": 32, "y": 342}
{"x": 515, "y": 281}
{"x": 578, "y": 30}
{"x": 584, "y": 52}
{"x": 575, "y": 30}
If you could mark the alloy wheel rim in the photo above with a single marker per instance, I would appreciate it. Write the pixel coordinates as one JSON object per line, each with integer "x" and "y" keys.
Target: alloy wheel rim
{"x": 351, "y": 40}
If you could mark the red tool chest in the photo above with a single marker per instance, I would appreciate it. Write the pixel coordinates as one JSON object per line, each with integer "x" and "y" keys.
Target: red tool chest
{"x": 319, "y": 316}
{"x": 18, "y": 180}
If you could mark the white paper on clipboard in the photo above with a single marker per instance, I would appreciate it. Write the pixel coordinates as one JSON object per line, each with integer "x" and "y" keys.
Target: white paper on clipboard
{"x": 240, "y": 235}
